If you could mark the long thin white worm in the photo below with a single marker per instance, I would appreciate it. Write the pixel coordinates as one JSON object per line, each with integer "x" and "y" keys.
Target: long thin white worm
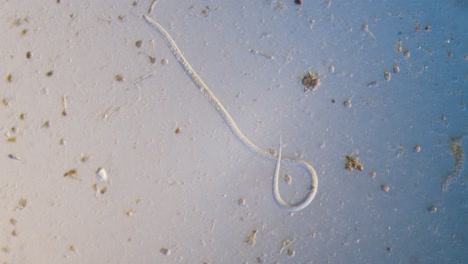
{"x": 236, "y": 131}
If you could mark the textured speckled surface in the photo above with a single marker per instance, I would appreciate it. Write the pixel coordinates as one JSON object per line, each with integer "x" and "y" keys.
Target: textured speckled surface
{"x": 180, "y": 191}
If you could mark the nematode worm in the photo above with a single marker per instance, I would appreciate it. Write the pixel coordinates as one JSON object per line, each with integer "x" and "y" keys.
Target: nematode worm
{"x": 236, "y": 131}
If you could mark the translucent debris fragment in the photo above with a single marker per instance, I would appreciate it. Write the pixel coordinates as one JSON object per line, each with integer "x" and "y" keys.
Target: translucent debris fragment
{"x": 101, "y": 174}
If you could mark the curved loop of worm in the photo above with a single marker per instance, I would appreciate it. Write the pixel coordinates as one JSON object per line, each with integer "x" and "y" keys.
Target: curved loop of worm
{"x": 236, "y": 131}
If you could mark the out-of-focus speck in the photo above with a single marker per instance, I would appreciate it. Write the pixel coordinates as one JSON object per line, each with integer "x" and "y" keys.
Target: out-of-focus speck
{"x": 417, "y": 148}
{"x": 260, "y": 260}
{"x": 164, "y": 61}
{"x": 129, "y": 212}
{"x": 287, "y": 178}
{"x": 119, "y": 78}
{"x": 372, "y": 84}
{"x": 13, "y": 221}
{"x": 365, "y": 27}
{"x": 399, "y": 46}
{"x": 322, "y": 145}
{"x": 58, "y": 1}
{"x": 385, "y": 187}
{"x": 120, "y": 18}
{"x": 331, "y": 69}
{"x": 138, "y": 43}
{"x": 333, "y": 101}
{"x": 432, "y": 209}
{"x": 291, "y": 252}
{"x": 387, "y": 76}
{"x": 312, "y": 234}
{"x": 14, "y": 233}
{"x": 103, "y": 190}
{"x": 373, "y": 174}
{"x": 28, "y": 55}
{"x": 241, "y": 201}
{"x": 449, "y": 54}
{"x": 396, "y": 69}
{"x": 462, "y": 106}
{"x": 9, "y": 78}
{"x": 11, "y": 139}
{"x": 23, "y": 32}
{"x": 177, "y": 130}
{"x": 84, "y": 158}
{"x": 73, "y": 173}
{"x": 251, "y": 237}
{"x": 13, "y": 156}
{"x": 64, "y": 105}
{"x": 46, "y": 124}
{"x": 389, "y": 249}
{"x": 347, "y": 103}
{"x": 23, "y": 202}
{"x": 101, "y": 175}
{"x": 427, "y": 28}
{"x": 22, "y": 116}
{"x": 298, "y": 2}
{"x": 416, "y": 27}
{"x": 165, "y": 251}
{"x": 49, "y": 73}
{"x": 62, "y": 142}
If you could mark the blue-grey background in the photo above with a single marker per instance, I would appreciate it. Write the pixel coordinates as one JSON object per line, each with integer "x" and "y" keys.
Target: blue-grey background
{"x": 180, "y": 191}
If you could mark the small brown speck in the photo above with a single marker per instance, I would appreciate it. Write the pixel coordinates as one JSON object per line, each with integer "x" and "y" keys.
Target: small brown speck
{"x": 71, "y": 173}
{"x": 46, "y": 124}
{"x": 103, "y": 190}
{"x": 13, "y": 233}
{"x": 417, "y": 148}
{"x": 23, "y": 32}
{"x": 387, "y": 76}
{"x": 84, "y": 158}
{"x": 260, "y": 260}
{"x": 49, "y": 73}
{"x": 177, "y": 130}
{"x": 347, "y": 103}
{"x": 298, "y": 2}
{"x": 385, "y": 187}
{"x": 13, "y": 221}
{"x": 58, "y": 1}
{"x": 241, "y": 201}
{"x": 389, "y": 249}
{"x": 152, "y": 59}
{"x": 138, "y": 43}
{"x": 22, "y": 116}
{"x": 120, "y": 18}
{"x": 291, "y": 252}
{"x": 119, "y": 78}
{"x": 134, "y": 3}
{"x": 432, "y": 209}
{"x": 129, "y": 212}
{"x": 23, "y": 202}
{"x": 28, "y": 55}
{"x": 165, "y": 251}
{"x": 9, "y": 78}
